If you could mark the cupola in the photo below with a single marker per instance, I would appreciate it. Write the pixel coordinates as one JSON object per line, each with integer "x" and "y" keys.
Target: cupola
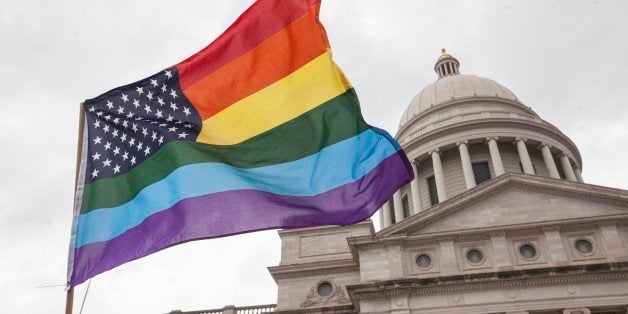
{"x": 446, "y": 64}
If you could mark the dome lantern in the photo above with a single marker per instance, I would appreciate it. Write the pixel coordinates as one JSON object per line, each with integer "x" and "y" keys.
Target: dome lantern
{"x": 446, "y": 65}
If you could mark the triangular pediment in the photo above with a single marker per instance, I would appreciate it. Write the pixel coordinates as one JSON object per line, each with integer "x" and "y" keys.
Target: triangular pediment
{"x": 516, "y": 199}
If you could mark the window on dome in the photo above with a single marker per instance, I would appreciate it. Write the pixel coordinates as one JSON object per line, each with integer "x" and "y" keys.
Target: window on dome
{"x": 431, "y": 186}
{"x": 481, "y": 172}
{"x": 406, "y": 207}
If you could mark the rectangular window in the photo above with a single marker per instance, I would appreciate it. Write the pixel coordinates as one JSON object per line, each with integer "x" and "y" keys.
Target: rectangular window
{"x": 431, "y": 186}
{"x": 481, "y": 172}
{"x": 406, "y": 206}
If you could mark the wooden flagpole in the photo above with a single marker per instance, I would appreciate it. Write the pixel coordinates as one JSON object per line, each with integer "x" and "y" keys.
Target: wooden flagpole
{"x": 69, "y": 299}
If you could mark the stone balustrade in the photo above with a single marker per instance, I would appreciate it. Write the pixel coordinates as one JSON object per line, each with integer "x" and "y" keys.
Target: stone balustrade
{"x": 230, "y": 309}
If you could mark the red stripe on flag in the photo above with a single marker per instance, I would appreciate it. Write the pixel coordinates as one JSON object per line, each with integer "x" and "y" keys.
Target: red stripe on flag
{"x": 270, "y": 61}
{"x": 263, "y": 19}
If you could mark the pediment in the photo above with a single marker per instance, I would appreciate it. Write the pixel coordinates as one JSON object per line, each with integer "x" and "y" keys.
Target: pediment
{"x": 516, "y": 199}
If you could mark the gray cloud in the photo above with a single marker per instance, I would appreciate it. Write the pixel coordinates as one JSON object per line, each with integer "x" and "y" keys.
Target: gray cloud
{"x": 565, "y": 59}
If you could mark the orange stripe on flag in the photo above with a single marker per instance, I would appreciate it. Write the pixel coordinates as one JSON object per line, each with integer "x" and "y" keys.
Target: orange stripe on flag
{"x": 270, "y": 61}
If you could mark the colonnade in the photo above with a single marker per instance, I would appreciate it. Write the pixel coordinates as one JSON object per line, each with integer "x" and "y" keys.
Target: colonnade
{"x": 571, "y": 173}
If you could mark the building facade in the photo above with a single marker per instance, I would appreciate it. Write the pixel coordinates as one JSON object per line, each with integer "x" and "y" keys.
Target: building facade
{"x": 497, "y": 220}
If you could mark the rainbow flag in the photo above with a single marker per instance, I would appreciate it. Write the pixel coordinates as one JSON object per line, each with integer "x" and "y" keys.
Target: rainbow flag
{"x": 259, "y": 130}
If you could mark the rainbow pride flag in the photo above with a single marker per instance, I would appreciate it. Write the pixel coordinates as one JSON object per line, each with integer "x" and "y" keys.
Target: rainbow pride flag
{"x": 259, "y": 130}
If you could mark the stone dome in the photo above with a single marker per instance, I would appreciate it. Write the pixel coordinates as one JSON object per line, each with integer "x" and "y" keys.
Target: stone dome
{"x": 452, "y": 86}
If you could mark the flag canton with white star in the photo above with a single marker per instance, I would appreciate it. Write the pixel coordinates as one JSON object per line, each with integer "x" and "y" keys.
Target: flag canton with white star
{"x": 129, "y": 124}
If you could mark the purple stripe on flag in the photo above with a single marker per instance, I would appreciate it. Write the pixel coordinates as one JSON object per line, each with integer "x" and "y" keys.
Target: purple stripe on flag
{"x": 240, "y": 211}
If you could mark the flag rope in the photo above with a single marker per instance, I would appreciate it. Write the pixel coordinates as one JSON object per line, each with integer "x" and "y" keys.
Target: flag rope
{"x": 85, "y": 296}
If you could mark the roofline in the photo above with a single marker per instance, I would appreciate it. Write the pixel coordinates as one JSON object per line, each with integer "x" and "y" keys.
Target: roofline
{"x": 590, "y": 192}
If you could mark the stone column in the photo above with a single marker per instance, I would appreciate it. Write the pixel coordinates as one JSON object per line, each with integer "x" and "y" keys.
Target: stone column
{"x": 496, "y": 158}
{"x": 382, "y": 225}
{"x": 414, "y": 187}
{"x": 387, "y": 214}
{"x": 398, "y": 206}
{"x": 549, "y": 161}
{"x": 439, "y": 176}
{"x": 576, "y": 170}
{"x": 567, "y": 169}
{"x": 526, "y": 163}
{"x": 467, "y": 169}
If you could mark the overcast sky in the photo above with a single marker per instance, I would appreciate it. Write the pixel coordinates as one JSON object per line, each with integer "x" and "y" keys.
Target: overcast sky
{"x": 566, "y": 59}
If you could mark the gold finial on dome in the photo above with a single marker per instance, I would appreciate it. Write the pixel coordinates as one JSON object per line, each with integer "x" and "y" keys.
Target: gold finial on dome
{"x": 443, "y": 54}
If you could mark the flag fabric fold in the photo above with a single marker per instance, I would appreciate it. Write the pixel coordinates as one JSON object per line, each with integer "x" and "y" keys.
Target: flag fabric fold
{"x": 259, "y": 130}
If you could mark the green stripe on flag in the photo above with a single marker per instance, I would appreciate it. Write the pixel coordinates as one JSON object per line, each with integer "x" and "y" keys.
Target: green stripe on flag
{"x": 332, "y": 122}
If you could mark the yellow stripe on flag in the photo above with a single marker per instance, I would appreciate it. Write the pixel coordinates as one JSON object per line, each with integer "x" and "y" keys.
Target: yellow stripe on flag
{"x": 306, "y": 88}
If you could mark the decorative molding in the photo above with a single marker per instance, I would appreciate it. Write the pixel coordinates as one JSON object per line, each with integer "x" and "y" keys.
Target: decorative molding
{"x": 496, "y": 233}
{"x": 317, "y": 230}
{"x": 544, "y": 144}
{"x": 480, "y": 236}
{"x": 550, "y": 276}
{"x": 314, "y": 269}
{"x": 545, "y": 129}
{"x": 463, "y": 236}
{"x": 434, "y": 150}
{"x": 551, "y": 228}
{"x": 471, "y": 102}
{"x": 496, "y": 138}
{"x": 516, "y": 233}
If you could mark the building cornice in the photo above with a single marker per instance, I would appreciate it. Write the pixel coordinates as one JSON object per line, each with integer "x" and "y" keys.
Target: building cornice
{"x": 464, "y": 101}
{"x": 313, "y": 269}
{"x": 318, "y": 229}
{"x": 327, "y": 309}
{"x": 538, "y": 277}
{"x": 479, "y": 234}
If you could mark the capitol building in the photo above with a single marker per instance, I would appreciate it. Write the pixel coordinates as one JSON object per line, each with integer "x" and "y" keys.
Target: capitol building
{"x": 497, "y": 220}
